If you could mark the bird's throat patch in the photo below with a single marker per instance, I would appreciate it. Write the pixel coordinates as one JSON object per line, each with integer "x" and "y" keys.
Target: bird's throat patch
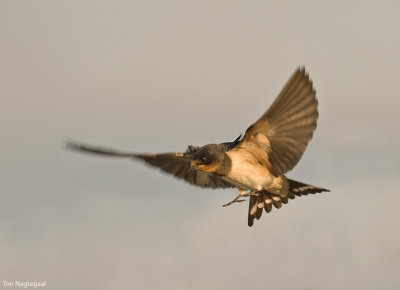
{"x": 207, "y": 168}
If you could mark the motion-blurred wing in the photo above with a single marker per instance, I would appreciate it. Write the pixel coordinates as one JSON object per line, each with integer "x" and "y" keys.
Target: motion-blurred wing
{"x": 177, "y": 164}
{"x": 284, "y": 131}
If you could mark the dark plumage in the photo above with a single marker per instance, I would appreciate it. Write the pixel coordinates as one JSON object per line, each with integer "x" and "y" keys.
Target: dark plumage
{"x": 256, "y": 163}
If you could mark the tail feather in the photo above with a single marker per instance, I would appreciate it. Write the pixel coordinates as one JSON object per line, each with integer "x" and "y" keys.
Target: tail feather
{"x": 267, "y": 199}
{"x": 299, "y": 188}
{"x": 252, "y": 210}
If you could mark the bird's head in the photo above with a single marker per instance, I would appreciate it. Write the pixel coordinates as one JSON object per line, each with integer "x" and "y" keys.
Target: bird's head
{"x": 208, "y": 158}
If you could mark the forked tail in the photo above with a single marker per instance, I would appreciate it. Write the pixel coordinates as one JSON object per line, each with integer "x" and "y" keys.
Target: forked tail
{"x": 265, "y": 199}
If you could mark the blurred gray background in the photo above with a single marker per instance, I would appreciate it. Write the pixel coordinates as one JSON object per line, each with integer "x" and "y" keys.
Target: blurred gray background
{"x": 156, "y": 76}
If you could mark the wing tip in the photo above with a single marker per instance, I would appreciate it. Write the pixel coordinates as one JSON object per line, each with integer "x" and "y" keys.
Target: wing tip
{"x": 301, "y": 70}
{"x": 72, "y": 145}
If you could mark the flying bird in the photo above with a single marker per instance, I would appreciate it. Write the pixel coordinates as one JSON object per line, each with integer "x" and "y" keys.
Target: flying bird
{"x": 256, "y": 163}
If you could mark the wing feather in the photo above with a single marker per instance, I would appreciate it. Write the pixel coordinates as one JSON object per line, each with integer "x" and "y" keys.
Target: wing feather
{"x": 177, "y": 164}
{"x": 288, "y": 125}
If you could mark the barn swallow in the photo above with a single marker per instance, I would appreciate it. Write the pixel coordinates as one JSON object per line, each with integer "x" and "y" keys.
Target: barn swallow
{"x": 255, "y": 163}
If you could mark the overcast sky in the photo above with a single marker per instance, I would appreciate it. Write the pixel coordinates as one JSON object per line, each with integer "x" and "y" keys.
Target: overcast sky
{"x": 156, "y": 76}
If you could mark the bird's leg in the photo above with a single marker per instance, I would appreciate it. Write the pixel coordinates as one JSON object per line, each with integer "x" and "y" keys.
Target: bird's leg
{"x": 242, "y": 193}
{"x": 254, "y": 193}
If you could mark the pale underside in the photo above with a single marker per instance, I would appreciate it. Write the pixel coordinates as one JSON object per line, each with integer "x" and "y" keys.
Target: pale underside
{"x": 247, "y": 173}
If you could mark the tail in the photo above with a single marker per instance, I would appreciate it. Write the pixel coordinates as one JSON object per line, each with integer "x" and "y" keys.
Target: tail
{"x": 266, "y": 199}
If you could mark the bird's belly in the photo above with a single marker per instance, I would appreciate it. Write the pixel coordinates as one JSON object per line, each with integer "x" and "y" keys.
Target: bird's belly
{"x": 246, "y": 175}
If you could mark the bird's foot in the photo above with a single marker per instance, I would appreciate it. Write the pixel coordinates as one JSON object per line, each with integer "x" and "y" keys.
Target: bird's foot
{"x": 235, "y": 200}
{"x": 241, "y": 194}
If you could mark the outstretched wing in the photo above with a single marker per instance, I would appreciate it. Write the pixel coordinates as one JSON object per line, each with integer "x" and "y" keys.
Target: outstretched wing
{"x": 283, "y": 132}
{"x": 177, "y": 164}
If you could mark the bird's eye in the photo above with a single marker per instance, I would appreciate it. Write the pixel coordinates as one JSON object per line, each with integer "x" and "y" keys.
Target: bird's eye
{"x": 203, "y": 159}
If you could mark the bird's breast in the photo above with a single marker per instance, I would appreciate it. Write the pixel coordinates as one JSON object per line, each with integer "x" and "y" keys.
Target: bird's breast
{"x": 246, "y": 172}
